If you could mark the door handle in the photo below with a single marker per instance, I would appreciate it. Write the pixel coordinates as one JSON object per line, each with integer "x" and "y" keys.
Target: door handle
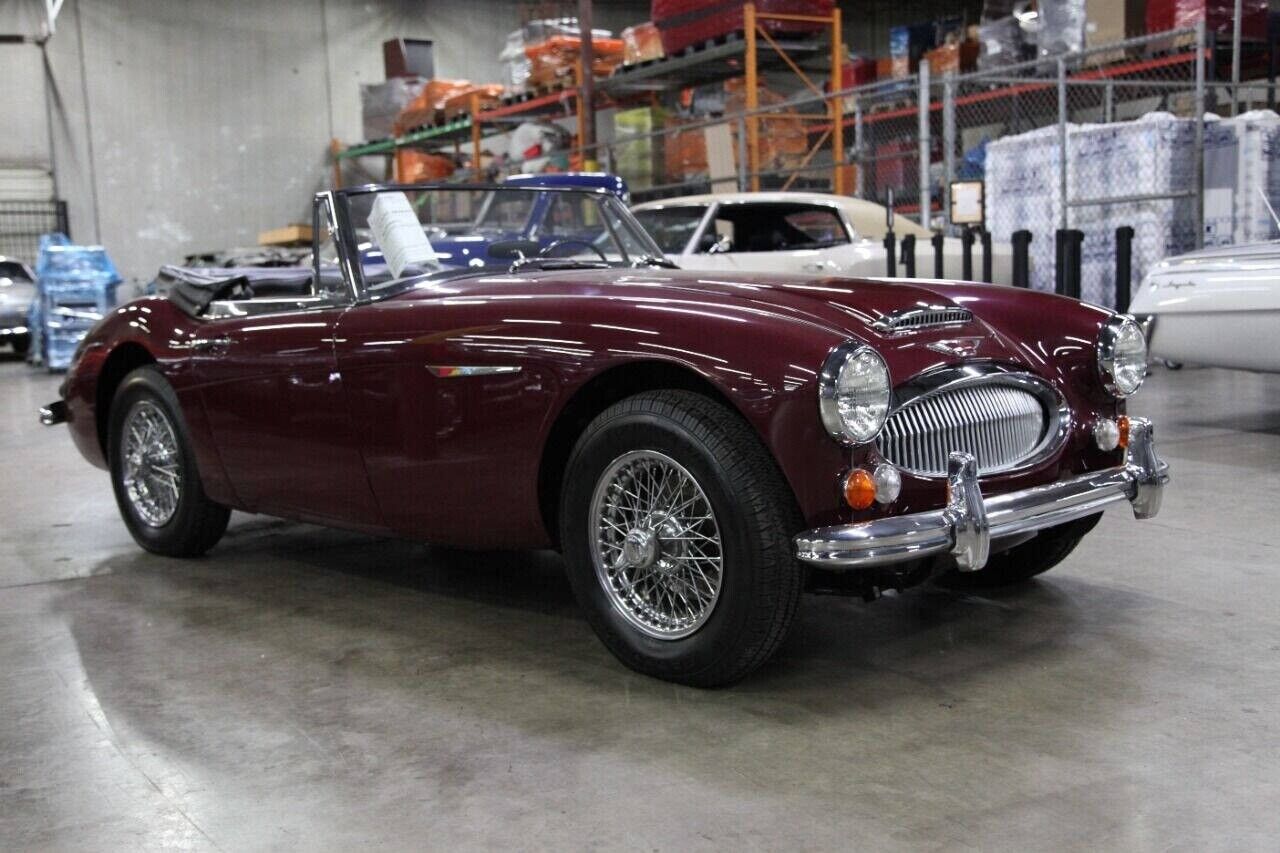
{"x": 210, "y": 344}
{"x": 815, "y": 266}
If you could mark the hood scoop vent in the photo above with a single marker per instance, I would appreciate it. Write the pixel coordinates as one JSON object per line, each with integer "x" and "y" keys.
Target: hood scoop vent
{"x": 922, "y": 317}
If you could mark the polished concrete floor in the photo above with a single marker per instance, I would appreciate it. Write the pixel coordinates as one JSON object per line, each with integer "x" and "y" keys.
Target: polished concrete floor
{"x": 300, "y": 688}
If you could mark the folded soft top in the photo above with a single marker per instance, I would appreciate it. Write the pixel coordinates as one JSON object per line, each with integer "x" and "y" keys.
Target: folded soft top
{"x": 193, "y": 289}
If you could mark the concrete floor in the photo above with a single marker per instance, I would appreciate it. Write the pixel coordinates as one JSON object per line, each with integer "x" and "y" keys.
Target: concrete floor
{"x": 301, "y": 688}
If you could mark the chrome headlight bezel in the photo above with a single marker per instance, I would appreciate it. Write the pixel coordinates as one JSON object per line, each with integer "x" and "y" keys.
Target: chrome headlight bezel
{"x": 849, "y": 356}
{"x": 1115, "y": 356}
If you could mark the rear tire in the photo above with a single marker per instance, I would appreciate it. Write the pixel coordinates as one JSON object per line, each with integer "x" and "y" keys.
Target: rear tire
{"x": 676, "y": 526}
{"x": 153, "y": 470}
{"x": 21, "y": 343}
{"x": 1023, "y": 562}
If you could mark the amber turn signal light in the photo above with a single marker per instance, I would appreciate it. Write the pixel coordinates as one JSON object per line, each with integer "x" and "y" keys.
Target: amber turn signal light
{"x": 859, "y": 489}
{"x": 1123, "y": 423}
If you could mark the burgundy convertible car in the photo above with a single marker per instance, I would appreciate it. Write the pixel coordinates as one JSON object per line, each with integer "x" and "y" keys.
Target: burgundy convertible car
{"x": 700, "y": 448}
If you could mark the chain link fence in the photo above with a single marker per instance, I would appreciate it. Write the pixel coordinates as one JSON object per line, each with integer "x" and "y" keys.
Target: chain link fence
{"x": 1124, "y": 113}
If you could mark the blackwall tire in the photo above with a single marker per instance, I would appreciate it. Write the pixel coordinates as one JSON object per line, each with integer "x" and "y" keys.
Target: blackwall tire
{"x": 183, "y": 526}
{"x": 725, "y": 475}
{"x": 1024, "y": 562}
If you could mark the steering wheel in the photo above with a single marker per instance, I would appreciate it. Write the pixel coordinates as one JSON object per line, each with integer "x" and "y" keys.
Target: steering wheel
{"x": 555, "y": 244}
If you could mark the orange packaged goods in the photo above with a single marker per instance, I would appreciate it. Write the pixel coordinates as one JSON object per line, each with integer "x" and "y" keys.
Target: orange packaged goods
{"x": 460, "y": 104}
{"x": 425, "y": 108}
{"x": 641, "y": 43}
{"x": 955, "y": 57}
{"x": 553, "y": 60}
{"x": 415, "y": 167}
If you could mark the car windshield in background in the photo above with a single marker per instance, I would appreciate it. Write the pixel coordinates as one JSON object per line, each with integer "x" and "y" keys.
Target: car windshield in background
{"x": 672, "y": 227}
{"x": 11, "y": 271}
{"x": 438, "y": 232}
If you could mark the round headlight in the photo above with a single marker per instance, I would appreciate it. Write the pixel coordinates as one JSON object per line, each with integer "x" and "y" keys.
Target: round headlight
{"x": 853, "y": 393}
{"x": 1122, "y": 356}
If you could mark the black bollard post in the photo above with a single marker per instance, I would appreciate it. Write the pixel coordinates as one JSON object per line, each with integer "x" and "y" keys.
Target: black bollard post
{"x": 938, "y": 241}
{"x": 909, "y": 255}
{"x": 1124, "y": 267}
{"x": 890, "y": 254}
{"x": 1067, "y": 276}
{"x": 966, "y": 244}
{"x": 1021, "y": 258}
{"x": 987, "y": 274}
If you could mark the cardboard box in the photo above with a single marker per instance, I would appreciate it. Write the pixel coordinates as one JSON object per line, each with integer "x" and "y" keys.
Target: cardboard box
{"x": 1108, "y": 21}
{"x": 289, "y": 235}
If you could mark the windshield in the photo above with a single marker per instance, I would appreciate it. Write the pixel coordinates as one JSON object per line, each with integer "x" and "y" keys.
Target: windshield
{"x": 672, "y": 227}
{"x": 406, "y": 233}
{"x": 12, "y": 272}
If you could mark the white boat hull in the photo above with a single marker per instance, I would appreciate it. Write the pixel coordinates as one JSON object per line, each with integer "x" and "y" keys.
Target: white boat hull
{"x": 1219, "y": 307}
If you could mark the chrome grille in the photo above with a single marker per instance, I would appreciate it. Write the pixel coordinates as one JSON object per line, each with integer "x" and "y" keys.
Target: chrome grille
{"x": 923, "y": 317}
{"x": 1002, "y": 425}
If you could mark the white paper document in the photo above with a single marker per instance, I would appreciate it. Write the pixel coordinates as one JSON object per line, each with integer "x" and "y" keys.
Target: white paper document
{"x": 399, "y": 234}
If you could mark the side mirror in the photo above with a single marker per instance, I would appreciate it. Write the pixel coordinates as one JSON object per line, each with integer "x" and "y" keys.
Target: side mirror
{"x": 513, "y": 250}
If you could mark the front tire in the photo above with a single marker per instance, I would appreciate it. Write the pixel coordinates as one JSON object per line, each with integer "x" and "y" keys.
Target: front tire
{"x": 676, "y": 526}
{"x": 1023, "y": 562}
{"x": 153, "y": 470}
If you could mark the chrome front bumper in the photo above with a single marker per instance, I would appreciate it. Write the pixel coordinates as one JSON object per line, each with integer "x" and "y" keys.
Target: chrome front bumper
{"x": 969, "y": 522}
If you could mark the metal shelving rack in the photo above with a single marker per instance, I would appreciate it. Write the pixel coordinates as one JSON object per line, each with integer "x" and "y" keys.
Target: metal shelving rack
{"x": 739, "y": 55}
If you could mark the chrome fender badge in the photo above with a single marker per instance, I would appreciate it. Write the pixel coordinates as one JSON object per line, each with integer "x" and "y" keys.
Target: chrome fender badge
{"x": 957, "y": 347}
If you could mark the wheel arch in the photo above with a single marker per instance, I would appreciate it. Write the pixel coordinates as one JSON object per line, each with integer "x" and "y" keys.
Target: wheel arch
{"x": 593, "y": 397}
{"x": 122, "y": 360}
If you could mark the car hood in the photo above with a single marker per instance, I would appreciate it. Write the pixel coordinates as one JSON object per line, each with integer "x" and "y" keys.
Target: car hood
{"x": 1224, "y": 278}
{"x": 18, "y": 292}
{"x": 844, "y": 307}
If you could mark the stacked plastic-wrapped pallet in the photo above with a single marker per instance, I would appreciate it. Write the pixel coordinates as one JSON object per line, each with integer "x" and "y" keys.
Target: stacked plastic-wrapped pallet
{"x": 1154, "y": 155}
{"x": 1151, "y": 156}
{"x": 77, "y": 287}
{"x": 1023, "y": 192}
{"x": 1257, "y": 137}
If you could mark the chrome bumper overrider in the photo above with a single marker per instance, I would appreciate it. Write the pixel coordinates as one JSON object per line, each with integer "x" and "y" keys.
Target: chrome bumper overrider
{"x": 968, "y": 523}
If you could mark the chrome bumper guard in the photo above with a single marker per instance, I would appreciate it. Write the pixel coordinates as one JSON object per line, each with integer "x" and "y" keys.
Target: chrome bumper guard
{"x": 54, "y": 413}
{"x": 969, "y": 522}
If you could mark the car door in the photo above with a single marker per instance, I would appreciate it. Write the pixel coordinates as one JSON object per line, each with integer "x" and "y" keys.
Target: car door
{"x": 275, "y": 399}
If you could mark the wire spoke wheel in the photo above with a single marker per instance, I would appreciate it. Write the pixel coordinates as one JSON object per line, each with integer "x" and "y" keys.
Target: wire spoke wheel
{"x": 152, "y": 465}
{"x": 656, "y": 544}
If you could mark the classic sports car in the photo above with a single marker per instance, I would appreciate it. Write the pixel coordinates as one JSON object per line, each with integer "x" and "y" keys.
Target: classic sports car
{"x": 699, "y": 447}
{"x": 799, "y": 233}
{"x": 1218, "y": 307}
{"x": 17, "y": 292}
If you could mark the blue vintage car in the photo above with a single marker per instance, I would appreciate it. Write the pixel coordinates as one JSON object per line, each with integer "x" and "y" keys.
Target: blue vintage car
{"x": 551, "y": 221}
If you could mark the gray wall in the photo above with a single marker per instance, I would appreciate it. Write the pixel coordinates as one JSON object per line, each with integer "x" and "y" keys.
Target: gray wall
{"x": 177, "y": 125}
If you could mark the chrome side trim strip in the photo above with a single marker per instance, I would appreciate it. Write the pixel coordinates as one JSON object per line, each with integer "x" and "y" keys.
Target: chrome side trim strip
{"x": 455, "y": 371}
{"x": 968, "y": 523}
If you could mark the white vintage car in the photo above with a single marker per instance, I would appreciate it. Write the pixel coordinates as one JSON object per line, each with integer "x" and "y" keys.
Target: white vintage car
{"x": 1217, "y": 307}
{"x": 801, "y": 233}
